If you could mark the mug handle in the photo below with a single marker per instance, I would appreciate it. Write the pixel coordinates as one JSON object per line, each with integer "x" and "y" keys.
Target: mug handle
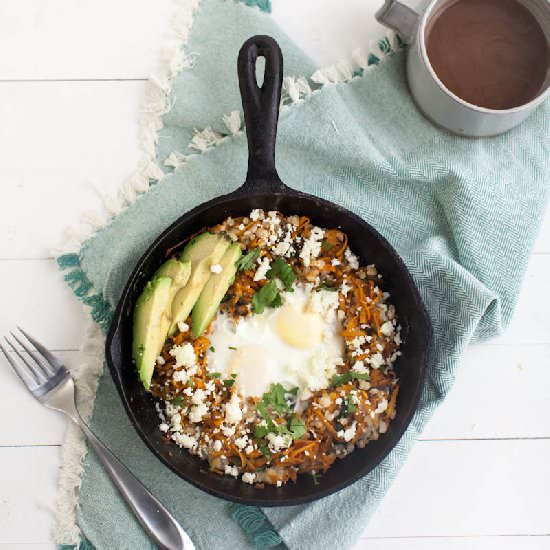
{"x": 402, "y": 16}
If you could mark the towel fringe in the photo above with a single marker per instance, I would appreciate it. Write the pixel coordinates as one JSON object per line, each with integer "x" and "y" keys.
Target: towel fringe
{"x": 254, "y": 523}
{"x": 262, "y": 5}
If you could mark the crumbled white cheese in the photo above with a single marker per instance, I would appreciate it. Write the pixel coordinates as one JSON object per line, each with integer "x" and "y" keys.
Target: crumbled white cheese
{"x": 249, "y": 477}
{"x": 359, "y": 367}
{"x": 241, "y": 442}
{"x": 217, "y": 445}
{"x": 387, "y": 328}
{"x": 376, "y": 360}
{"x": 382, "y": 406}
{"x": 277, "y": 441}
{"x": 323, "y": 302}
{"x": 216, "y": 268}
{"x": 349, "y": 434}
{"x": 180, "y": 376}
{"x": 335, "y": 261}
{"x": 256, "y": 214}
{"x": 184, "y": 440}
{"x": 188, "y": 391}
{"x": 198, "y": 397}
{"x": 345, "y": 288}
{"x": 160, "y": 360}
{"x": 183, "y": 327}
{"x": 324, "y": 401}
{"x": 249, "y": 449}
{"x": 279, "y": 483}
{"x": 341, "y": 315}
{"x": 231, "y": 470}
{"x": 197, "y": 412}
{"x": 184, "y": 355}
{"x": 164, "y": 427}
{"x": 262, "y": 270}
{"x": 357, "y": 342}
{"x": 233, "y": 411}
{"x": 175, "y": 422}
{"x": 312, "y": 245}
{"x": 315, "y": 374}
{"x": 228, "y": 431}
{"x": 280, "y": 249}
{"x": 351, "y": 258}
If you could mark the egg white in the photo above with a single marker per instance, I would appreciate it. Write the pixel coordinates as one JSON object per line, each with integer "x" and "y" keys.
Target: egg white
{"x": 296, "y": 345}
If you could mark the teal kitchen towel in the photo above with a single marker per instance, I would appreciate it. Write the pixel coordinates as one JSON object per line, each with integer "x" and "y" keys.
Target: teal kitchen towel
{"x": 462, "y": 213}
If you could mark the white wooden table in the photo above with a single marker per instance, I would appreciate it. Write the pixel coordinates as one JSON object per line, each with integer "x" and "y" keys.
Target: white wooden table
{"x": 71, "y": 83}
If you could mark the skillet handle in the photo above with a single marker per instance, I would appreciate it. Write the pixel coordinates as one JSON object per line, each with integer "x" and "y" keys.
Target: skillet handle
{"x": 261, "y": 105}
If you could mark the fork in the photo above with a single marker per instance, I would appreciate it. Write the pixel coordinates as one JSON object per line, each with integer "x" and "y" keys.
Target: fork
{"x": 51, "y": 383}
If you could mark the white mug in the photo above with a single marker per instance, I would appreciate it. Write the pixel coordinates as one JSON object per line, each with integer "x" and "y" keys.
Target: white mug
{"x": 409, "y": 18}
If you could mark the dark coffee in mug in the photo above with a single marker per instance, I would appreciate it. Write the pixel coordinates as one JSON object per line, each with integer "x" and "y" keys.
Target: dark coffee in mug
{"x": 491, "y": 53}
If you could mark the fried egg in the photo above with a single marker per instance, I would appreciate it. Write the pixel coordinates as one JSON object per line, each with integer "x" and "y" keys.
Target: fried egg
{"x": 297, "y": 345}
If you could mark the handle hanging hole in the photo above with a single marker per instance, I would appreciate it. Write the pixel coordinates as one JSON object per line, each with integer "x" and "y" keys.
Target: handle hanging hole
{"x": 260, "y": 71}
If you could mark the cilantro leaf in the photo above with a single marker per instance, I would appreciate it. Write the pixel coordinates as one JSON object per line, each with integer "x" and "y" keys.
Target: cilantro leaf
{"x": 265, "y": 297}
{"x": 265, "y": 450}
{"x": 214, "y": 374}
{"x": 229, "y": 383}
{"x": 279, "y": 268}
{"x": 271, "y": 426}
{"x": 297, "y": 427}
{"x": 339, "y": 379}
{"x": 212, "y": 349}
{"x": 276, "y": 397}
{"x": 260, "y": 431}
{"x": 277, "y": 301}
{"x": 326, "y": 244}
{"x": 352, "y": 407}
{"x": 247, "y": 261}
{"x": 178, "y": 401}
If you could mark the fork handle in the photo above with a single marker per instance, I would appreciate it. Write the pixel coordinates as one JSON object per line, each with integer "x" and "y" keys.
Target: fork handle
{"x": 151, "y": 514}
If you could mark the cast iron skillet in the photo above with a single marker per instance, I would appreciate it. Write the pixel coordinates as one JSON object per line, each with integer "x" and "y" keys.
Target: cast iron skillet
{"x": 264, "y": 189}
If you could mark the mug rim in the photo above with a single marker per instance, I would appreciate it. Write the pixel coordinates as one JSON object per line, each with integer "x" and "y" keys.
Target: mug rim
{"x": 421, "y": 37}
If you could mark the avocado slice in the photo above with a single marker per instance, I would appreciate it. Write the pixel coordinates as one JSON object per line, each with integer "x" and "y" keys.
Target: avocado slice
{"x": 179, "y": 272}
{"x": 203, "y": 251}
{"x": 215, "y": 289}
{"x": 150, "y": 314}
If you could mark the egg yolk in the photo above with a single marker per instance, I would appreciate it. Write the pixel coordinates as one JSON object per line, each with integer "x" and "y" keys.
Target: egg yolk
{"x": 299, "y": 328}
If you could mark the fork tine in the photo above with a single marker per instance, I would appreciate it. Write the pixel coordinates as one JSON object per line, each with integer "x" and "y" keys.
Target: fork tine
{"x": 46, "y": 368}
{"x": 51, "y": 359}
{"x": 22, "y": 372}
